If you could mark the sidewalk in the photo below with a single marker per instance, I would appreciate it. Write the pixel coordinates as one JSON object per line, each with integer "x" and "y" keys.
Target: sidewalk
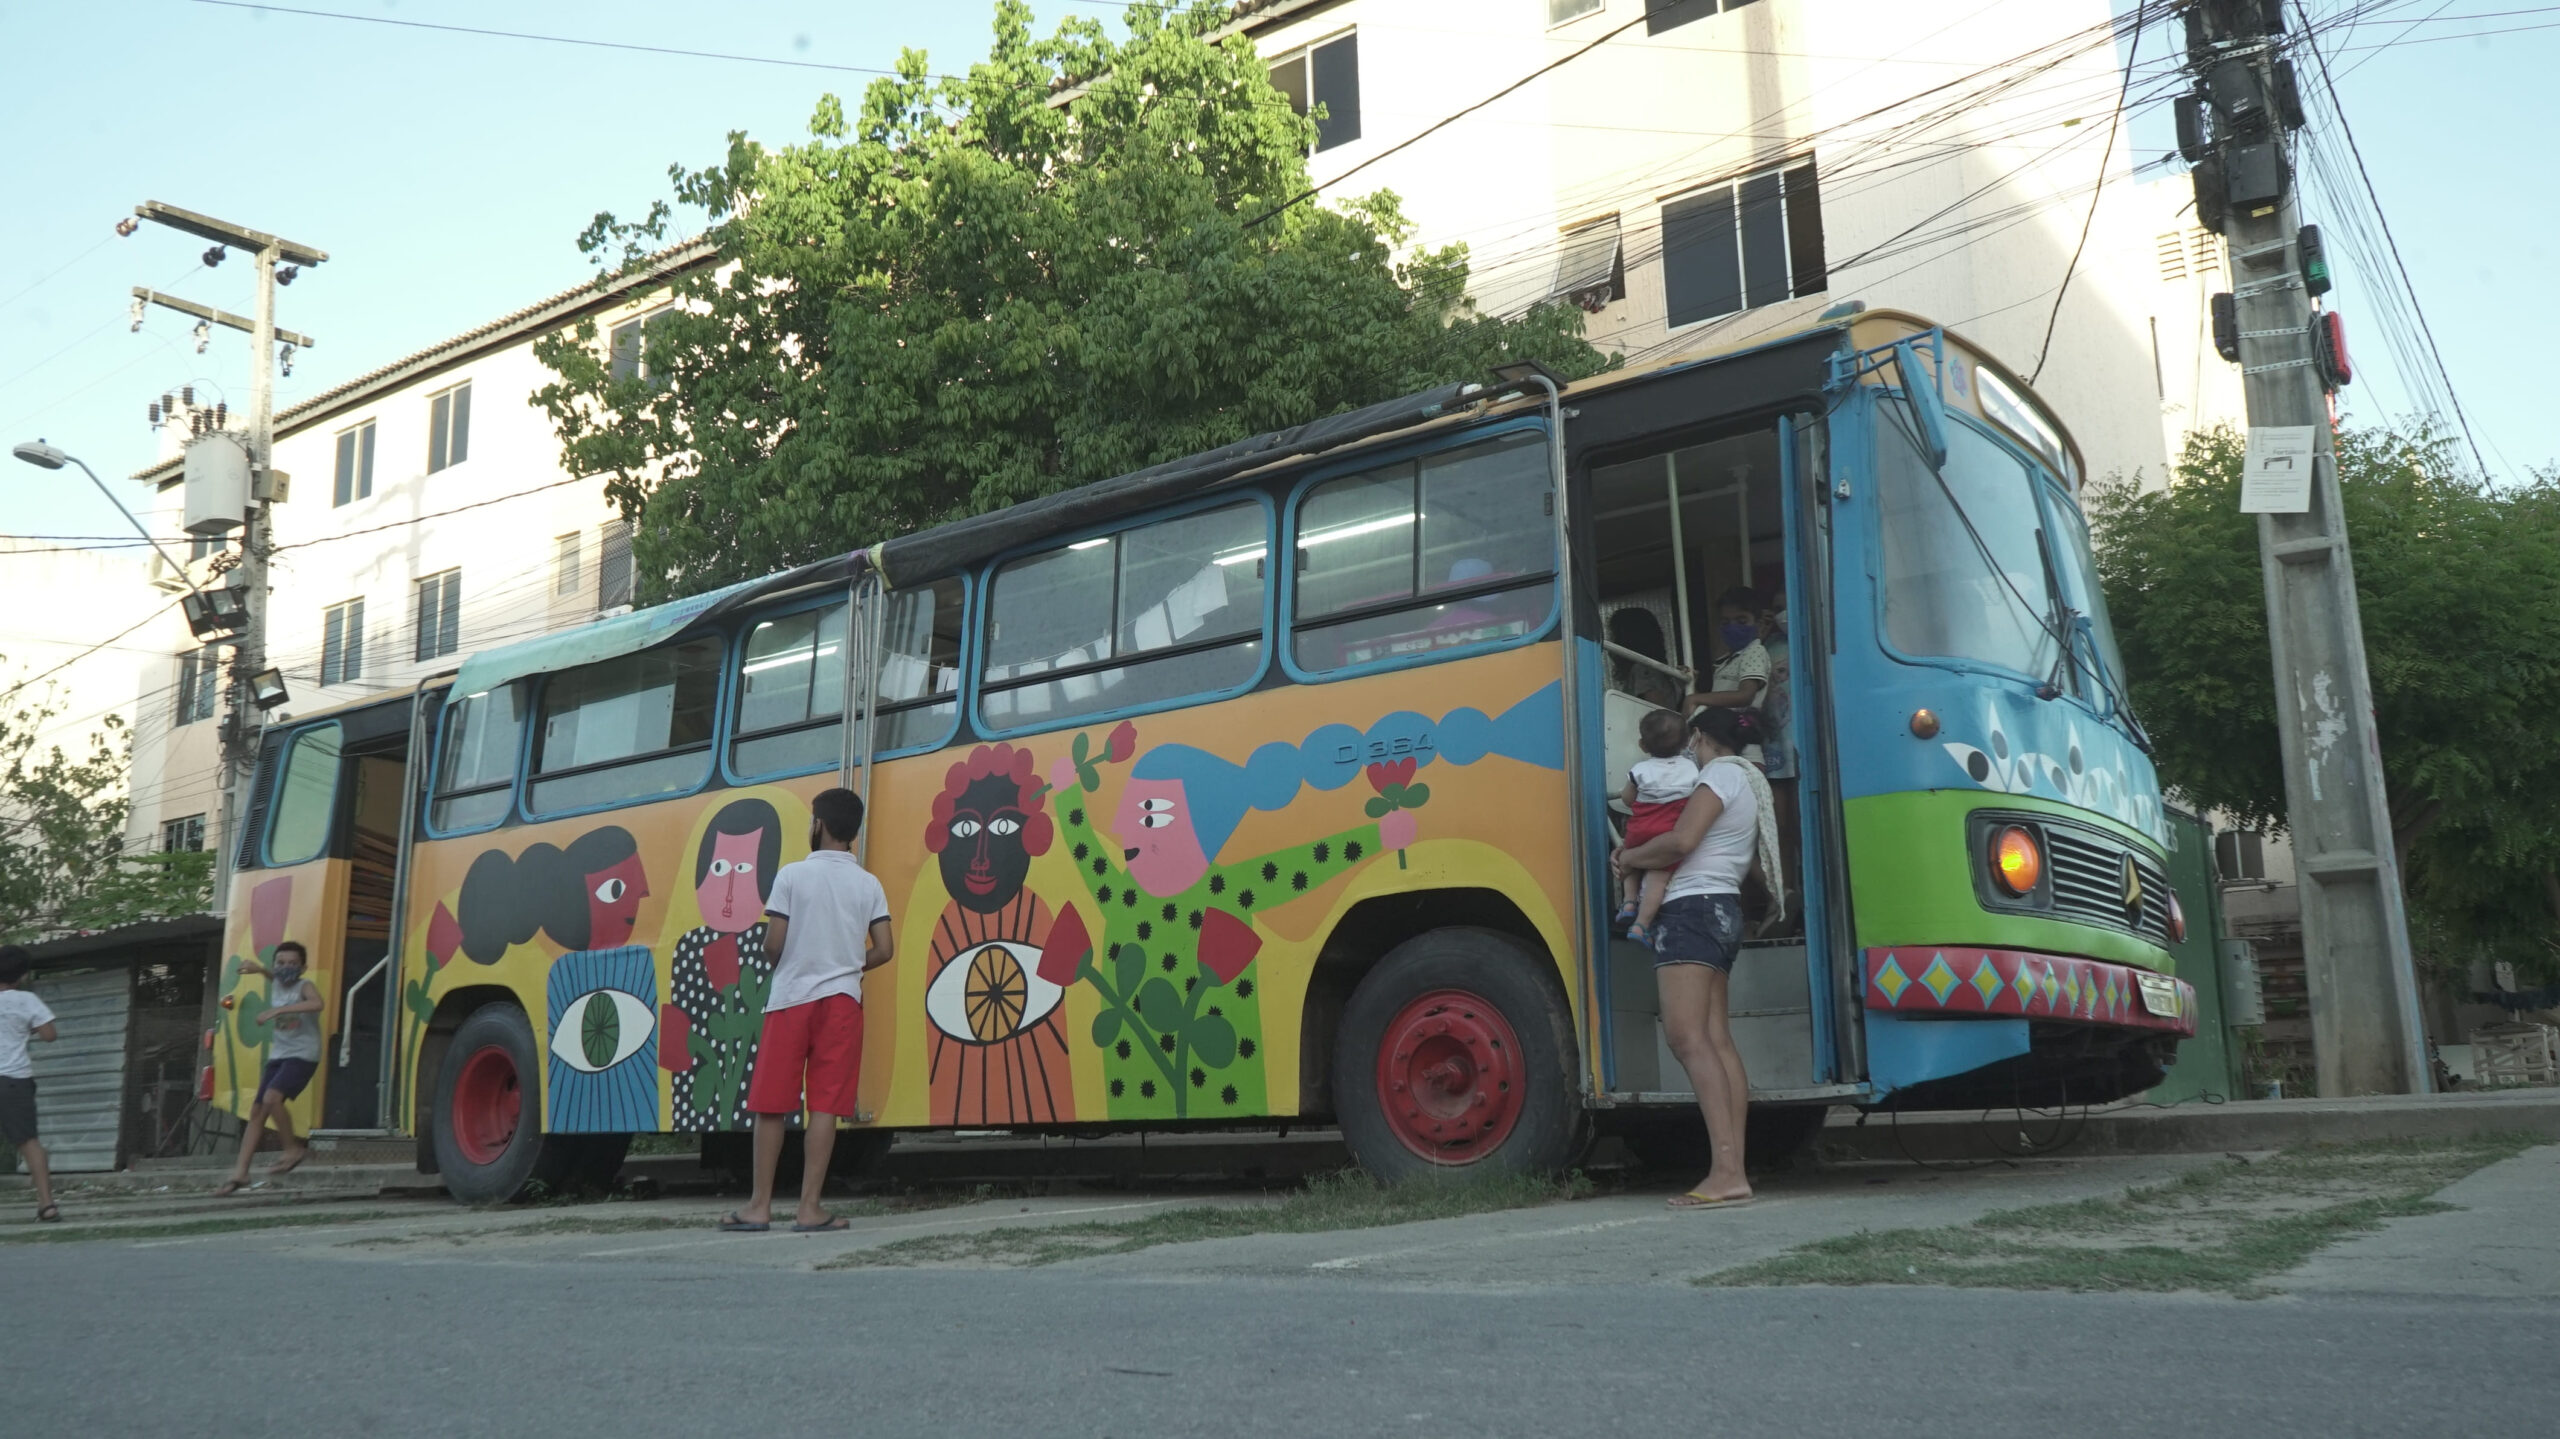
{"x": 2240, "y": 1126}
{"x": 2500, "y": 1243}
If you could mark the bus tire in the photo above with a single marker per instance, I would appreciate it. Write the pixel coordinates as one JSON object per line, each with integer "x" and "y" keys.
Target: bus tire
{"x": 487, "y": 1124}
{"x": 1456, "y": 1057}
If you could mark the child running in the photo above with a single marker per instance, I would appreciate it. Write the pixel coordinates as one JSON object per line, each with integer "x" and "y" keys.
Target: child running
{"x": 1658, "y": 786}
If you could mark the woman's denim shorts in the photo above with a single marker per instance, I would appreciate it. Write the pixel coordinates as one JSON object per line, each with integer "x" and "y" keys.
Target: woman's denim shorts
{"x": 1699, "y": 929}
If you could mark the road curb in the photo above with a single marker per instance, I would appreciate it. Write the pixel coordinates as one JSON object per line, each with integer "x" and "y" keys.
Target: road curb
{"x": 2193, "y": 1127}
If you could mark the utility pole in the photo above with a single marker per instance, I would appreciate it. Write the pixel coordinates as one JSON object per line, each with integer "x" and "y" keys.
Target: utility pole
{"x": 2238, "y": 130}
{"x": 241, "y": 725}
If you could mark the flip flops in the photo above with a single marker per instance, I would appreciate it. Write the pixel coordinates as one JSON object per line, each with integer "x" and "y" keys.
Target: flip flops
{"x": 833, "y": 1224}
{"x": 228, "y": 1188}
{"x": 1694, "y": 1200}
{"x": 49, "y": 1214}
{"x": 732, "y": 1224}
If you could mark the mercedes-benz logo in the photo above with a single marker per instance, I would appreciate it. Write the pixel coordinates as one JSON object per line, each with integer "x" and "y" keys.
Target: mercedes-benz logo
{"x": 2132, "y": 888}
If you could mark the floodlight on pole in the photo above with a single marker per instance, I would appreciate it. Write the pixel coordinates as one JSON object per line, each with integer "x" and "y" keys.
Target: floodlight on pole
{"x": 209, "y": 617}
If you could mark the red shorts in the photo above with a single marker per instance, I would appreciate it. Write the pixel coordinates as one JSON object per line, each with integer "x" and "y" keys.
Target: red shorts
{"x": 1653, "y": 821}
{"x": 822, "y": 1037}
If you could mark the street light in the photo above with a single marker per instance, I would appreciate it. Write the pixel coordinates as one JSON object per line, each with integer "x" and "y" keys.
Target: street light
{"x": 210, "y": 616}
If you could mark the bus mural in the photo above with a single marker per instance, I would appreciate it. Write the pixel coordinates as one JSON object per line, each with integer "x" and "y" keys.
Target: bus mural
{"x": 1279, "y": 784}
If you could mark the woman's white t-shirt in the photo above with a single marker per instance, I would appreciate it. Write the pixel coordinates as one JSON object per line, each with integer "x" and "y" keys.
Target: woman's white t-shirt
{"x": 1717, "y": 865}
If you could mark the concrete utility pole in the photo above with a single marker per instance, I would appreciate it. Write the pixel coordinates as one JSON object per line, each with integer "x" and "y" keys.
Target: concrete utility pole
{"x": 249, "y": 653}
{"x": 2238, "y": 129}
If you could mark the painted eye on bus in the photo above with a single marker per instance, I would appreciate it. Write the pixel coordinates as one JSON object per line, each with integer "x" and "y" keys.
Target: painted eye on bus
{"x": 1004, "y": 824}
{"x": 990, "y": 994}
{"x": 719, "y": 867}
{"x": 611, "y": 890}
{"x": 1155, "y": 813}
{"x": 964, "y": 829}
{"x": 601, "y": 1028}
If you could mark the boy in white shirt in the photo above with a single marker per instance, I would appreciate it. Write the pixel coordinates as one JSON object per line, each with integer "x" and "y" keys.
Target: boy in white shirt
{"x": 1658, "y": 786}
{"x": 827, "y": 923}
{"x": 23, "y": 1017}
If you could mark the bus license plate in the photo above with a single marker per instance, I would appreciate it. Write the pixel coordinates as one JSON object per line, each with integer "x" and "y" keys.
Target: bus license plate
{"x": 2159, "y": 994}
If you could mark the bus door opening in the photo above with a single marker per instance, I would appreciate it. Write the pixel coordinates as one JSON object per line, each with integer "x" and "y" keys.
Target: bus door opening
{"x": 374, "y": 775}
{"x": 1690, "y": 547}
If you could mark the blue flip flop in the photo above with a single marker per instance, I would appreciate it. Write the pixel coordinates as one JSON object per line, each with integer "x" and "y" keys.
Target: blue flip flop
{"x": 734, "y": 1225}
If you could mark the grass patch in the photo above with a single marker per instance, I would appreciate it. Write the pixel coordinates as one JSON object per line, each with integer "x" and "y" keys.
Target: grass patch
{"x": 178, "y": 1228}
{"x": 1348, "y": 1200}
{"x": 2220, "y": 1228}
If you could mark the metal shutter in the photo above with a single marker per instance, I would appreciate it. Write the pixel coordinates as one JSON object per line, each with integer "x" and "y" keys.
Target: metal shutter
{"x": 80, "y": 1076}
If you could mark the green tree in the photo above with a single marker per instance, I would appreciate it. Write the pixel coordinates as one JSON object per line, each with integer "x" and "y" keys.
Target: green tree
{"x": 1076, "y": 260}
{"x": 63, "y": 864}
{"x": 2459, "y": 586}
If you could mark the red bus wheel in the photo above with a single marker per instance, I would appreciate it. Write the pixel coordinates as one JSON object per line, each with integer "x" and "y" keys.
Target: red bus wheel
{"x": 1449, "y": 1079}
{"x": 488, "y": 1102}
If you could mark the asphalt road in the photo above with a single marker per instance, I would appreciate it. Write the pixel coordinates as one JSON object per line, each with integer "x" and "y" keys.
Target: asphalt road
{"x": 210, "y": 1338}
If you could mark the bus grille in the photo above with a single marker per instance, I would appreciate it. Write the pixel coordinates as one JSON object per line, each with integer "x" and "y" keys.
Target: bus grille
{"x": 2088, "y": 883}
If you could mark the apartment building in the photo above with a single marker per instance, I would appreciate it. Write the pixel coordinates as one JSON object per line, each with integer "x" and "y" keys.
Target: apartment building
{"x": 429, "y": 516}
{"x": 1715, "y": 169}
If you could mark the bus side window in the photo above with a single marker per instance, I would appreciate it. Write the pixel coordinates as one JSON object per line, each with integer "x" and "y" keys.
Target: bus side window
{"x": 920, "y": 667}
{"x": 476, "y": 763}
{"x": 1161, "y": 614}
{"x": 305, "y": 798}
{"x": 1455, "y": 550}
{"x": 628, "y": 729}
{"x": 791, "y": 694}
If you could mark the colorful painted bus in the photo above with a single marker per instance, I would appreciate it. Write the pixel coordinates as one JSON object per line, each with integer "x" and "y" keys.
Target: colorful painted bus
{"x": 1275, "y": 786}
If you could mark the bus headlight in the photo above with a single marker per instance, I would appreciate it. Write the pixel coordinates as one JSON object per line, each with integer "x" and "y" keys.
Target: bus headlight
{"x": 2177, "y": 920}
{"x": 2016, "y": 860}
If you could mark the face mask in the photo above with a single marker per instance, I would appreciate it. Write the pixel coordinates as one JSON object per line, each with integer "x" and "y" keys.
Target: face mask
{"x": 288, "y": 973}
{"x": 1738, "y": 633}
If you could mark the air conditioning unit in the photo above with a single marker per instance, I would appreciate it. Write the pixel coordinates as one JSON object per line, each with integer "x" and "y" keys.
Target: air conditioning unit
{"x": 166, "y": 577}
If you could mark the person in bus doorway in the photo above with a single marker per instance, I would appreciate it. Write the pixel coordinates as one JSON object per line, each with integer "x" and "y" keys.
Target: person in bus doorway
{"x": 1724, "y": 822}
{"x": 826, "y": 924}
{"x": 1658, "y": 786}
{"x": 24, "y": 1017}
{"x": 293, "y": 1056}
{"x": 1740, "y": 680}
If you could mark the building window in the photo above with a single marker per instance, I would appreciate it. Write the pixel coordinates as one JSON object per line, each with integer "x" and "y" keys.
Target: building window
{"x": 2240, "y": 854}
{"x": 1559, "y": 11}
{"x": 439, "y": 615}
{"x": 1326, "y": 75}
{"x": 1591, "y": 266}
{"x": 449, "y": 428}
{"x": 1744, "y": 245}
{"x": 628, "y": 360}
{"x": 182, "y": 836}
{"x": 613, "y": 566}
{"x": 199, "y": 682}
{"x": 355, "y": 465}
{"x": 1661, "y": 15}
{"x": 564, "y": 570}
{"x": 342, "y": 643}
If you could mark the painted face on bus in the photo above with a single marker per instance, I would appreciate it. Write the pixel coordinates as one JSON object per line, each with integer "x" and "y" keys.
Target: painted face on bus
{"x": 613, "y": 903}
{"x": 984, "y": 856}
{"x": 1161, "y": 849}
{"x": 731, "y": 902}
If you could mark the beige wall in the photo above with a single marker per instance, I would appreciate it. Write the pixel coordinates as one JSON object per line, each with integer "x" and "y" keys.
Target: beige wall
{"x": 1644, "y": 118}
{"x": 2183, "y": 266}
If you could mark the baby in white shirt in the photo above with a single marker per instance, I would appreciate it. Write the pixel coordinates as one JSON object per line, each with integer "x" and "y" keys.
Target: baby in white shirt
{"x": 1658, "y": 788}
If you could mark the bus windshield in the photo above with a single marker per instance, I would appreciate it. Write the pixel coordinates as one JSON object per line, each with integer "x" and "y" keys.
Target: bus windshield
{"x": 2080, "y": 578}
{"x": 1965, "y": 576}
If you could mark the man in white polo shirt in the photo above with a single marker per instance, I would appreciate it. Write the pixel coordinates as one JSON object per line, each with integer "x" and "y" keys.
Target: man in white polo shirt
{"x": 827, "y": 922}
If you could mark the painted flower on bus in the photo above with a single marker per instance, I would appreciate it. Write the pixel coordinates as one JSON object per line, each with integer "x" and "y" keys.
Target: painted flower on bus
{"x": 997, "y": 1055}
{"x": 720, "y": 975}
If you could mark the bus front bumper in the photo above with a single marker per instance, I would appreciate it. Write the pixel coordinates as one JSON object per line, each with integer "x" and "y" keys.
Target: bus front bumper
{"x": 1930, "y": 981}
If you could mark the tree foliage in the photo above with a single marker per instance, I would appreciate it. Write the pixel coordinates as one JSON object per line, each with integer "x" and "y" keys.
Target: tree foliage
{"x": 2459, "y": 587}
{"x": 63, "y": 863}
{"x": 1074, "y": 261}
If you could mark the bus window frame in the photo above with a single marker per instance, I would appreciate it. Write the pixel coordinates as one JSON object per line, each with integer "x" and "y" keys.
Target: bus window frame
{"x": 1286, "y": 645}
{"x": 525, "y": 776}
{"x": 734, "y": 679}
{"x": 974, "y": 646}
{"x": 514, "y": 812}
{"x": 1871, "y": 530}
{"x": 275, "y": 793}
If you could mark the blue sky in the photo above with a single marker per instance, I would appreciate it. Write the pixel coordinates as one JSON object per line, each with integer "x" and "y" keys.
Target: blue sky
{"x": 447, "y": 175}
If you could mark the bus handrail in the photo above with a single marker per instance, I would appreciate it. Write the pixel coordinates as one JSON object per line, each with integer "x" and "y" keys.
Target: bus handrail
{"x": 1685, "y": 677}
{"x": 347, "y": 1015}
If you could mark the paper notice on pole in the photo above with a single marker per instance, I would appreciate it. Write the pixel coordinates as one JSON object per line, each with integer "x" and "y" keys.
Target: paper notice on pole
{"x": 2275, "y": 478}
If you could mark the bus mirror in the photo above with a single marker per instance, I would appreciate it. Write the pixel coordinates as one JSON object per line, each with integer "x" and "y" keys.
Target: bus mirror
{"x": 1920, "y": 387}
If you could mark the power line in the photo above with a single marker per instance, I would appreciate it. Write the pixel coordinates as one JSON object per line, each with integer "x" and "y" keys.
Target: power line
{"x": 2392, "y": 243}
{"x": 2115, "y": 121}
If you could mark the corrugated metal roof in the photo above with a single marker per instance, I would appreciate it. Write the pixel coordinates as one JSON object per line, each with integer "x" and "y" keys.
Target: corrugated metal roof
{"x": 55, "y": 952}
{"x": 559, "y": 309}
{"x": 80, "y": 1076}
